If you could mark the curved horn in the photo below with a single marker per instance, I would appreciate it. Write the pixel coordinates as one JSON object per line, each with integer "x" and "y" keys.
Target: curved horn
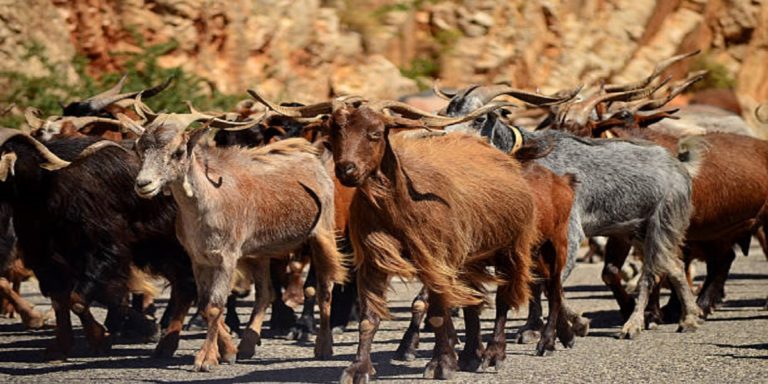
{"x": 52, "y": 163}
{"x": 441, "y": 93}
{"x": 657, "y": 70}
{"x": 214, "y": 121}
{"x": 406, "y": 110}
{"x": 652, "y": 104}
{"x": 130, "y": 125}
{"x": 98, "y": 103}
{"x": 97, "y": 146}
{"x": 82, "y": 122}
{"x": 489, "y": 93}
{"x": 146, "y": 113}
{"x": 305, "y": 111}
{"x": 442, "y": 121}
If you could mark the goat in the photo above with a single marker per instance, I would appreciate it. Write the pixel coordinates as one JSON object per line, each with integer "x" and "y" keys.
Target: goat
{"x": 649, "y": 206}
{"x": 416, "y": 213}
{"x": 236, "y": 202}
{"x": 553, "y": 200}
{"x": 93, "y": 229}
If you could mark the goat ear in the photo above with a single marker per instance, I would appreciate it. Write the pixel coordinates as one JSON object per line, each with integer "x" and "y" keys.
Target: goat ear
{"x": 7, "y": 164}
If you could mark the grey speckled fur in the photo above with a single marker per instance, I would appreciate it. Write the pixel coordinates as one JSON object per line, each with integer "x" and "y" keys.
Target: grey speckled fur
{"x": 627, "y": 188}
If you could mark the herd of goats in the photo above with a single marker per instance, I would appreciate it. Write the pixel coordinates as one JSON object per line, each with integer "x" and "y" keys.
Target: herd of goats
{"x": 96, "y": 200}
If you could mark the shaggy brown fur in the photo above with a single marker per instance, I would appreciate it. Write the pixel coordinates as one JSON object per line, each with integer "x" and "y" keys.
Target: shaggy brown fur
{"x": 440, "y": 208}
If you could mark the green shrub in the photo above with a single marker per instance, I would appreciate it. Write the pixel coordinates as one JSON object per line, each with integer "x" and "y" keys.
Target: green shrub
{"x": 718, "y": 76}
{"x": 48, "y": 92}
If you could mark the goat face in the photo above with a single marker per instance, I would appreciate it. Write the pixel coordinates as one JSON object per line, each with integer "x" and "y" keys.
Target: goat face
{"x": 163, "y": 151}
{"x": 358, "y": 141}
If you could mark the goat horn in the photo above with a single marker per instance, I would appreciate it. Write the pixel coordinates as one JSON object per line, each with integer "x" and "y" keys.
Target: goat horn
{"x": 130, "y": 125}
{"x": 406, "y": 110}
{"x": 489, "y": 93}
{"x": 213, "y": 121}
{"x": 441, "y": 93}
{"x": 146, "y": 113}
{"x": 652, "y": 104}
{"x": 97, "y": 146}
{"x": 305, "y": 111}
{"x": 99, "y": 102}
{"x": 52, "y": 163}
{"x": 442, "y": 121}
{"x": 657, "y": 70}
{"x": 82, "y": 122}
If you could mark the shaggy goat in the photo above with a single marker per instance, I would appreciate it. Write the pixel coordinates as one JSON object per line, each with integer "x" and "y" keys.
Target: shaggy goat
{"x": 553, "y": 198}
{"x": 649, "y": 206}
{"x": 236, "y": 202}
{"x": 93, "y": 227}
{"x": 419, "y": 213}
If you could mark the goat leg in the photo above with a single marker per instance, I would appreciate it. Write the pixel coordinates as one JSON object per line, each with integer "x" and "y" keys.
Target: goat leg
{"x": 471, "y": 358}
{"x": 179, "y": 305}
{"x": 406, "y": 351}
{"x": 444, "y": 363}
{"x": 616, "y": 252}
{"x": 718, "y": 266}
{"x": 375, "y": 288}
{"x": 636, "y": 322}
{"x": 32, "y": 319}
{"x": 495, "y": 351}
{"x": 305, "y": 325}
{"x": 62, "y": 344}
{"x": 531, "y": 330}
{"x": 252, "y": 334}
{"x": 208, "y": 356}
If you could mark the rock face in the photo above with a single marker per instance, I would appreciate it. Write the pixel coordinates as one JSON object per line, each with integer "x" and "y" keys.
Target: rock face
{"x": 307, "y": 50}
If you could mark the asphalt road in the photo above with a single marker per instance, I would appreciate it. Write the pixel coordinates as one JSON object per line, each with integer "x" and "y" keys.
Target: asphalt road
{"x": 731, "y": 347}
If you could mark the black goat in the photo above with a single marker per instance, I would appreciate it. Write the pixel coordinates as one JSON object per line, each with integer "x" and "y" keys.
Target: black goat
{"x": 80, "y": 227}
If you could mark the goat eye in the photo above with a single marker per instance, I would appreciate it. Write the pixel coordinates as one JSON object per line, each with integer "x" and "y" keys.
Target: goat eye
{"x": 480, "y": 120}
{"x": 374, "y": 135}
{"x": 178, "y": 153}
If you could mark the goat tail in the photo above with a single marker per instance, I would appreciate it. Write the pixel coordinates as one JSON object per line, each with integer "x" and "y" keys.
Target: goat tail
{"x": 691, "y": 151}
{"x": 515, "y": 265}
{"x": 665, "y": 232}
{"x": 326, "y": 257}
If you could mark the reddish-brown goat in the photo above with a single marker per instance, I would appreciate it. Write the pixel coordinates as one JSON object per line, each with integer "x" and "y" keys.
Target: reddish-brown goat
{"x": 439, "y": 208}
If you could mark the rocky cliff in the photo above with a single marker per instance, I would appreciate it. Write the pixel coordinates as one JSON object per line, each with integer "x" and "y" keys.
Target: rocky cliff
{"x": 307, "y": 50}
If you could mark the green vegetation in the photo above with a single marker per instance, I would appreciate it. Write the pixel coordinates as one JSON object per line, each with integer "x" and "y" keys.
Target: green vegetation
{"x": 47, "y": 92}
{"x": 718, "y": 76}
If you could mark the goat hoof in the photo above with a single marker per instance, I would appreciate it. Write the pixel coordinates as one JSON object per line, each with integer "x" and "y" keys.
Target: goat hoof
{"x": 404, "y": 356}
{"x": 494, "y": 356}
{"x": 247, "y": 347}
{"x": 323, "y": 351}
{"x": 167, "y": 346}
{"x": 33, "y": 320}
{"x": 691, "y": 324}
{"x": 443, "y": 369}
{"x": 357, "y": 373}
{"x": 471, "y": 361}
{"x": 229, "y": 359}
{"x": 580, "y": 326}
{"x": 629, "y": 334}
{"x": 528, "y": 336}
{"x": 54, "y": 355}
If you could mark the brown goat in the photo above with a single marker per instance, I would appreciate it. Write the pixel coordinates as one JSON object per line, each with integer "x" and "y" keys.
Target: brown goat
{"x": 553, "y": 199}
{"x": 730, "y": 196}
{"x": 423, "y": 209}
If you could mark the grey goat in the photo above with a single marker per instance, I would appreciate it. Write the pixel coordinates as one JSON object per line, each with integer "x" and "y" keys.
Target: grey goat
{"x": 625, "y": 188}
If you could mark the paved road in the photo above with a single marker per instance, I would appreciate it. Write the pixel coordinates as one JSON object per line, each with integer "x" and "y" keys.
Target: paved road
{"x": 731, "y": 347}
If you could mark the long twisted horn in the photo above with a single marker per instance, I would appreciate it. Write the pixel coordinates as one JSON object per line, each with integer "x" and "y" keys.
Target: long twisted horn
{"x": 657, "y": 70}
{"x": 305, "y": 111}
{"x": 488, "y": 93}
{"x": 52, "y": 163}
{"x": 436, "y": 121}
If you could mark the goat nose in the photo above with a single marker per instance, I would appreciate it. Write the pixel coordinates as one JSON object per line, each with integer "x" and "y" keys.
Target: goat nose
{"x": 141, "y": 183}
{"x": 347, "y": 168}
